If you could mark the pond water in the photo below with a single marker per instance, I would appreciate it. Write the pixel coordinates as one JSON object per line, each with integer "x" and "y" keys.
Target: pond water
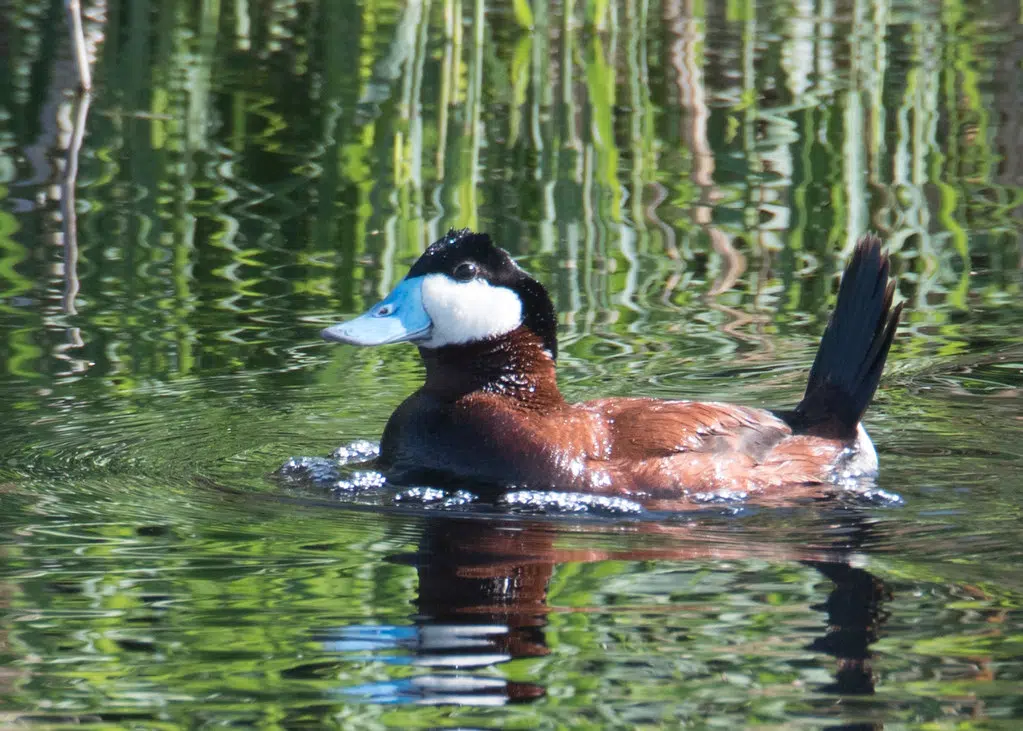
{"x": 686, "y": 178}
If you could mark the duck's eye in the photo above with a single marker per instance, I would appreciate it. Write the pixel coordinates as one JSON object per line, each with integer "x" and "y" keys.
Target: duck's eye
{"x": 384, "y": 310}
{"x": 465, "y": 271}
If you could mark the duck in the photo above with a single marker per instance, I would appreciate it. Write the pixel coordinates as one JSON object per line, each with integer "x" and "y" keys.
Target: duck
{"x": 489, "y": 413}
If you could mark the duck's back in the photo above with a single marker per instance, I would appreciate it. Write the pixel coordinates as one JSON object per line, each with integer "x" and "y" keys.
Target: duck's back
{"x": 670, "y": 449}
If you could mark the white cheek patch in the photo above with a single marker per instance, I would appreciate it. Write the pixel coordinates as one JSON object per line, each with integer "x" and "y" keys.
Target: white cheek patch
{"x": 466, "y": 312}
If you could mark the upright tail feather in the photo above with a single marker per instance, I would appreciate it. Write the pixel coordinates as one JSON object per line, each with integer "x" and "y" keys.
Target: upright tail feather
{"x": 852, "y": 352}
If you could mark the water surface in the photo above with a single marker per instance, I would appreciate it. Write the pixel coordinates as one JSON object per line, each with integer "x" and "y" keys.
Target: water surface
{"x": 686, "y": 178}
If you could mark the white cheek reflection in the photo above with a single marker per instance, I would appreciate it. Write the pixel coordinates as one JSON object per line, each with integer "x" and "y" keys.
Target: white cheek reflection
{"x": 466, "y": 312}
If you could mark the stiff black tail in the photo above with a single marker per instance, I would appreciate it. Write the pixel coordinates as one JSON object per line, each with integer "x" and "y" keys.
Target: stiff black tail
{"x": 852, "y": 352}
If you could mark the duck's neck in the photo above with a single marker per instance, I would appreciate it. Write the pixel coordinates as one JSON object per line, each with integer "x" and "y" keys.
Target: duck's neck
{"x": 514, "y": 365}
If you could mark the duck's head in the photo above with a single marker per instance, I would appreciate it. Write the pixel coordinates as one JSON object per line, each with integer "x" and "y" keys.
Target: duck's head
{"x": 463, "y": 290}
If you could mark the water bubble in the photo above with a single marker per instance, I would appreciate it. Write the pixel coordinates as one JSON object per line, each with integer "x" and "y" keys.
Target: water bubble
{"x": 360, "y": 482}
{"x": 433, "y": 498}
{"x": 361, "y": 450}
{"x": 420, "y": 495}
{"x": 719, "y": 497}
{"x": 532, "y": 501}
{"x": 872, "y": 496}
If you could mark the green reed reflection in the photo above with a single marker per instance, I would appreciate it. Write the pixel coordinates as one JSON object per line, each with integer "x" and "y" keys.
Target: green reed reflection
{"x": 250, "y": 168}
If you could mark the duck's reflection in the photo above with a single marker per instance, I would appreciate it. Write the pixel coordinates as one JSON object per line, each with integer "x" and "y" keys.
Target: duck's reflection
{"x": 855, "y": 612}
{"x": 482, "y": 600}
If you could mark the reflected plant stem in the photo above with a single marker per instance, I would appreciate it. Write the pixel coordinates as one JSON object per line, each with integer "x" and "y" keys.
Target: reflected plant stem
{"x": 78, "y": 49}
{"x": 475, "y": 103}
{"x": 69, "y": 225}
{"x": 408, "y": 155}
{"x": 445, "y": 86}
{"x": 415, "y": 122}
{"x": 570, "y": 128}
{"x": 68, "y": 212}
{"x": 686, "y": 59}
{"x": 636, "y": 84}
{"x": 639, "y": 82}
{"x": 855, "y": 162}
{"x": 539, "y": 68}
{"x": 879, "y": 194}
{"x": 1009, "y": 137}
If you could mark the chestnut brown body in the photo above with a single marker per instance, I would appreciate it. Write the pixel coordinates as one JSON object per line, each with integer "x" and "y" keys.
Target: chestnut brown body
{"x": 511, "y": 428}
